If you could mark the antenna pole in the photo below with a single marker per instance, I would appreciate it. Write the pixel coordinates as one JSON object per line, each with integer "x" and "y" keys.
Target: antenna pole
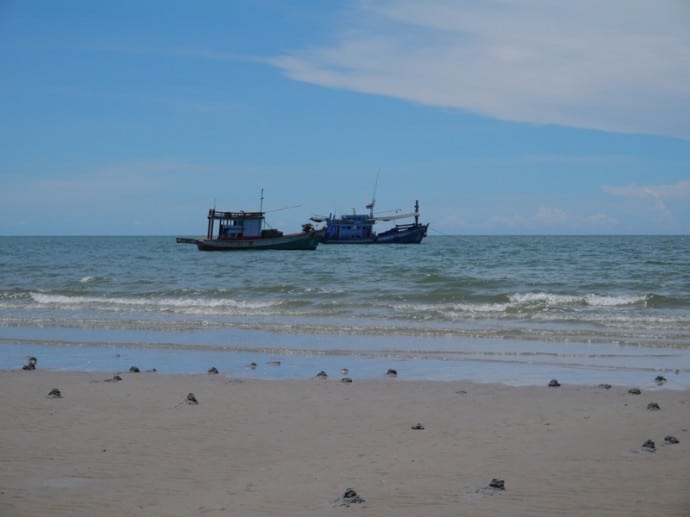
{"x": 373, "y": 197}
{"x": 261, "y": 201}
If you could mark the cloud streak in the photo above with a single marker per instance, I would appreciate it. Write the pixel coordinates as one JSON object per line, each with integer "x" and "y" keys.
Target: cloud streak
{"x": 103, "y": 185}
{"x": 658, "y": 194}
{"x": 547, "y": 218}
{"x": 680, "y": 190}
{"x": 592, "y": 64}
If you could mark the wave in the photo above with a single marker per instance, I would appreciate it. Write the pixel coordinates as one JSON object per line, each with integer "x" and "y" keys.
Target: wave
{"x": 657, "y": 301}
{"x": 526, "y": 304}
{"x": 204, "y": 332}
{"x": 319, "y": 303}
{"x": 591, "y": 300}
{"x": 150, "y": 304}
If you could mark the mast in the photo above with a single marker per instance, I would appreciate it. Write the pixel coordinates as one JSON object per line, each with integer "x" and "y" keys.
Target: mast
{"x": 261, "y": 208}
{"x": 370, "y": 206}
{"x": 211, "y": 219}
{"x": 416, "y": 212}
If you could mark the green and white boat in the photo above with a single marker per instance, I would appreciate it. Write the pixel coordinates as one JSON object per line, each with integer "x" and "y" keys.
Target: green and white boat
{"x": 240, "y": 231}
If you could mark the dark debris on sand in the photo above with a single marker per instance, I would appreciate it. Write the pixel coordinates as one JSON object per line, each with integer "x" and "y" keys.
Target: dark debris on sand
{"x": 498, "y": 484}
{"x": 55, "y": 394}
{"x": 495, "y": 486}
{"x": 553, "y": 383}
{"x": 648, "y": 446}
{"x": 191, "y": 399}
{"x": 30, "y": 364}
{"x": 348, "y": 498}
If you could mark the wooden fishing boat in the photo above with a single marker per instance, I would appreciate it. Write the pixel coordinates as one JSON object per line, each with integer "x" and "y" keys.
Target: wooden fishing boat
{"x": 239, "y": 231}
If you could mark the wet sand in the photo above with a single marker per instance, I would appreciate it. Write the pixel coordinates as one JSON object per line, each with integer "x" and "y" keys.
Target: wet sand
{"x": 293, "y": 447}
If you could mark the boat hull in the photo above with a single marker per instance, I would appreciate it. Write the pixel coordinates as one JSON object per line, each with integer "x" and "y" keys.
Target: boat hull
{"x": 298, "y": 241}
{"x": 402, "y": 234}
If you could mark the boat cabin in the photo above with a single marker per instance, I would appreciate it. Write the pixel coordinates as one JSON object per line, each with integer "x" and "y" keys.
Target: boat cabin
{"x": 235, "y": 225}
{"x": 350, "y": 227}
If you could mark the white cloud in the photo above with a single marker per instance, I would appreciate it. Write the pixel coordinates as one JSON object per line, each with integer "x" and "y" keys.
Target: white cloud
{"x": 603, "y": 64}
{"x": 114, "y": 184}
{"x": 550, "y": 219}
{"x": 657, "y": 194}
{"x": 551, "y": 215}
{"x": 600, "y": 220}
{"x": 680, "y": 190}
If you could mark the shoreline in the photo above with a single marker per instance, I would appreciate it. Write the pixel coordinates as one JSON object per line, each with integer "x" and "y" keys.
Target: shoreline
{"x": 293, "y": 446}
{"x": 512, "y": 364}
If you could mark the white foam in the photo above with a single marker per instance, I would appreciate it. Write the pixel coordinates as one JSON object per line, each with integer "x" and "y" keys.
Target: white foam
{"x": 185, "y": 305}
{"x": 613, "y": 301}
{"x": 593, "y": 300}
{"x": 544, "y": 298}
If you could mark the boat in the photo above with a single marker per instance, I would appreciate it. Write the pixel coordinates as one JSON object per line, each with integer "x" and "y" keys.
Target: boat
{"x": 245, "y": 231}
{"x": 359, "y": 228}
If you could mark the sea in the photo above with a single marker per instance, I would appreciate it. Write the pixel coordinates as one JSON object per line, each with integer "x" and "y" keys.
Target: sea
{"x": 517, "y": 310}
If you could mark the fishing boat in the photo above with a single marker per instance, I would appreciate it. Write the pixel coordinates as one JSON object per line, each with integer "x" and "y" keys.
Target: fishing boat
{"x": 245, "y": 231}
{"x": 359, "y": 228}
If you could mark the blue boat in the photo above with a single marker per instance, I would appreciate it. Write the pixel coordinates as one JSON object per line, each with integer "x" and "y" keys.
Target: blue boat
{"x": 359, "y": 228}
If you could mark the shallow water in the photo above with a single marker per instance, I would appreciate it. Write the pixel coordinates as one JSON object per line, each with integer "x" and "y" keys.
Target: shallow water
{"x": 517, "y": 310}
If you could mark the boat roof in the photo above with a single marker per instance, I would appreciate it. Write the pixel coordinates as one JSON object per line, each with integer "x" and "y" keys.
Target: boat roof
{"x": 362, "y": 217}
{"x": 237, "y": 215}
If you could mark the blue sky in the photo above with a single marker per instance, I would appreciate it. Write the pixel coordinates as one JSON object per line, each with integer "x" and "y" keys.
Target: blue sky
{"x": 501, "y": 117}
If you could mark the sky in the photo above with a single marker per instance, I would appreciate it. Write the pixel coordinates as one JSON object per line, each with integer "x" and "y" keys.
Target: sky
{"x": 499, "y": 116}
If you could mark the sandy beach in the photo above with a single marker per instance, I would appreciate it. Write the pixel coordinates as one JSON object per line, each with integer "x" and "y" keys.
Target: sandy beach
{"x": 293, "y": 447}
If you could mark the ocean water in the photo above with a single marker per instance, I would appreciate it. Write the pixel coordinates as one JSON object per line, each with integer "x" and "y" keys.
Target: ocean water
{"x": 517, "y": 310}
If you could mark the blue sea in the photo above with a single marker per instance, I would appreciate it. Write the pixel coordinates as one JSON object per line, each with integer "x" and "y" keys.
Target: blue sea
{"x": 518, "y": 310}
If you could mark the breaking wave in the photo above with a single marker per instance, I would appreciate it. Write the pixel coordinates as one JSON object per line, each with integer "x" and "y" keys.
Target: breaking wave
{"x": 152, "y": 304}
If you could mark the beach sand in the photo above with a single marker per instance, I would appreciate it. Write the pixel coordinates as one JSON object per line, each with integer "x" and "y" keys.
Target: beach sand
{"x": 292, "y": 447}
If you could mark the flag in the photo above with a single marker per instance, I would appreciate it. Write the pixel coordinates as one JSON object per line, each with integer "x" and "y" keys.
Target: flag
{"x": 370, "y": 206}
